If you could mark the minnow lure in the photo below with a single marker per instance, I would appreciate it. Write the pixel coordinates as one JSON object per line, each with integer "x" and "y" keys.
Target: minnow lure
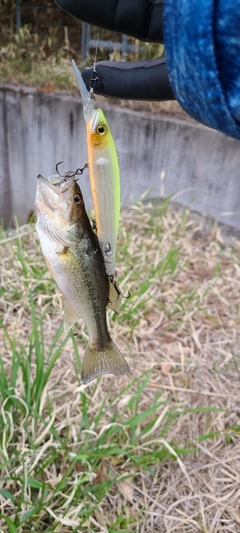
{"x": 104, "y": 174}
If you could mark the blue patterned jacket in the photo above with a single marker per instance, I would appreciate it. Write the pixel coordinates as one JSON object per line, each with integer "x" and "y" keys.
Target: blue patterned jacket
{"x": 202, "y": 41}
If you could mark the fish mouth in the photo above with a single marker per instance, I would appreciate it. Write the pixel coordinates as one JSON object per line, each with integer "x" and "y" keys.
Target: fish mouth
{"x": 58, "y": 186}
{"x": 49, "y": 193}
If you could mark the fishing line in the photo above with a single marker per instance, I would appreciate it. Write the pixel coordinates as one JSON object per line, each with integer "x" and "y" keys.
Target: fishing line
{"x": 151, "y": 108}
{"x": 97, "y": 46}
{"x": 94, "y": 77}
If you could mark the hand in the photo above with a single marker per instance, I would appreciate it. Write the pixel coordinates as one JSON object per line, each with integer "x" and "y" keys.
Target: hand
{"x": 143, "y": 19}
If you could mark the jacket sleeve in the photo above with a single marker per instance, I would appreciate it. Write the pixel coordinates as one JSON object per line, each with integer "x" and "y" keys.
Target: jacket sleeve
{"x": 202, "y": 42}
{"x": 138, "y": 18}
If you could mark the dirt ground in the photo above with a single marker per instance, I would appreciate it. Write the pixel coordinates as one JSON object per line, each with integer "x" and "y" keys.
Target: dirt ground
{"x": 185, "y": 327}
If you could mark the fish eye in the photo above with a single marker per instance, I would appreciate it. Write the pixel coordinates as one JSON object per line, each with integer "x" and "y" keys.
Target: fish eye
{"x": 76, "y": 198}
{"x": 101, "y": 130}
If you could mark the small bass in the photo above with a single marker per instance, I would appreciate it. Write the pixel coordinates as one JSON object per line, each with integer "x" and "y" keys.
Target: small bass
{"x": 104, "y": 175}
{"x": 75, "y": 260}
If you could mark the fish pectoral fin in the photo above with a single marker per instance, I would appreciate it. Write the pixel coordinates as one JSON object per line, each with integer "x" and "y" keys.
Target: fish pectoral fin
{"x": 70, "y": 316}
{"x": 105, "y": 360}
{"x": 114, "y": 295}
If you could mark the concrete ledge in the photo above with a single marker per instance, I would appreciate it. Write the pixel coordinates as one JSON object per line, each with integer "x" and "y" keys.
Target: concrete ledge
{"x": 166, "y": 156}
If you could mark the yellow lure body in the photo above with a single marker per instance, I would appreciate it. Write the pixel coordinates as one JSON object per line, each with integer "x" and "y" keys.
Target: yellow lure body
{"x": 104, "y": 175}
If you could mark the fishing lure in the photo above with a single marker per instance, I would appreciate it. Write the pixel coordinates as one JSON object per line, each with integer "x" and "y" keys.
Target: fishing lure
{"x": 104, "y": 174}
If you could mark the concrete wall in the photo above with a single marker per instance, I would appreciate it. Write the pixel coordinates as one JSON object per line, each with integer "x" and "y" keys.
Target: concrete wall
{"x": 166, "y": 156}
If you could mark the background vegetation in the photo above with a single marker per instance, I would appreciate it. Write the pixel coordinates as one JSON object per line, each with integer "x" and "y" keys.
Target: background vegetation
{"x": 39, "y": 52}
{"x": 157, "y": 451}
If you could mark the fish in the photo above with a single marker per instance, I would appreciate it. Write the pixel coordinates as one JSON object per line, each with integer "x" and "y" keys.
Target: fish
{"x": 75, "y": 259}
{"x": 104, "y": 174}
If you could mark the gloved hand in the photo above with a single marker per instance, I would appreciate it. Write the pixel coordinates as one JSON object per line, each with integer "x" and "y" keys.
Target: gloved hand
{"x": 202, "y": 43}
{"x": 143, "y": 19}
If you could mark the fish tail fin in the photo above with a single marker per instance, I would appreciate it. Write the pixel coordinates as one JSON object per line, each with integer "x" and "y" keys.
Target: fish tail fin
{"x": 105, "y": 360}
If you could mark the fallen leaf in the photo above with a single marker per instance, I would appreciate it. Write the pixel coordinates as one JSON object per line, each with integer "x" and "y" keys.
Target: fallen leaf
{"x": 101, "y": 475}
{"x": 166, "y": 368}
{"x": 126, "y": 490}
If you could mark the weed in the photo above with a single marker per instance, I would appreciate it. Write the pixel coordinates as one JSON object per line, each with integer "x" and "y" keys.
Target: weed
{"x": 123, "y": 454}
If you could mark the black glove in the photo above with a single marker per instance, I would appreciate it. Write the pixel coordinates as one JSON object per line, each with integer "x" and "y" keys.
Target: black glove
{"x": 143, "y": 19}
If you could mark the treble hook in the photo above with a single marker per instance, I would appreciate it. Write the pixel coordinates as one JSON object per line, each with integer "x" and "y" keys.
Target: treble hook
{"x": 71, "y": 173}
{"x": 119, "y": 292}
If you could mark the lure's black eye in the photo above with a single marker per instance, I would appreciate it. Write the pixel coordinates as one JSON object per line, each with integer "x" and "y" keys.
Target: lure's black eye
{"x": 101, "y": 130}
{"x": 76, "y": 198}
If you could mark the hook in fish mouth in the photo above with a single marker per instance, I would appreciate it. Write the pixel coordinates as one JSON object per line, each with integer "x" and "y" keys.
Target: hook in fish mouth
{"x": 71, "y": 173}
{"x": 56, "y": 186}
{"x": 66, "y": 179}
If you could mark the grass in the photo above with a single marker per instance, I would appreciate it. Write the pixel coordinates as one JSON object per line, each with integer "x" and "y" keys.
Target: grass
{"x": 24, "y": 61}
{"x": 40, "y": 60}
{"x": 43, "y": 59}
{"x": 158, "y": 451}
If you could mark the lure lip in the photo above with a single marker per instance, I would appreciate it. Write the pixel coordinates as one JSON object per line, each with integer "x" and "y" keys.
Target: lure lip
{"x": 87, "y": 100}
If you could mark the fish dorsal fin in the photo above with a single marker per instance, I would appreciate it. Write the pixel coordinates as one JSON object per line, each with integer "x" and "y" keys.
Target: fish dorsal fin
{"x": 70, "y": 317}
{"x": 114, "y": 296}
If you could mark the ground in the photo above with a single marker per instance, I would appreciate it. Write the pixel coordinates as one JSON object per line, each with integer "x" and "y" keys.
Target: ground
{"x": 157, "y": 451}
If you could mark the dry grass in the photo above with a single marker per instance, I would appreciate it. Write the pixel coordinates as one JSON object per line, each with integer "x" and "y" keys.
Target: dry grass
{"x": 182, "y": 323}
{"x": 29, "y": 59}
